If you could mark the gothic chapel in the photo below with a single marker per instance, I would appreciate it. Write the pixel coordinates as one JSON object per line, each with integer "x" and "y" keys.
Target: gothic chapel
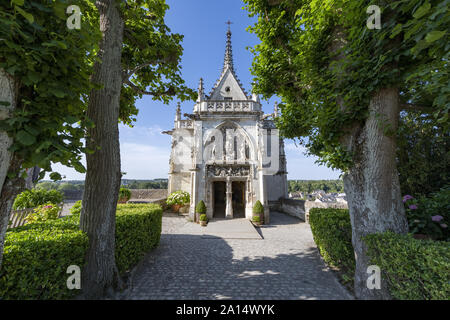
{"x": 228, "y": 152}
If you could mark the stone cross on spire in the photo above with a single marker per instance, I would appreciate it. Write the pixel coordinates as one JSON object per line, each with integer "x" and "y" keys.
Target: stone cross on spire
{"x": 229, "y": 23}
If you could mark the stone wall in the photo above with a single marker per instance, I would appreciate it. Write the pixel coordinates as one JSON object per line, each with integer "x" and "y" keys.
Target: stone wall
{"x": 73, "y": 195}
{"x": 300, "y": 208}
{"x": 158, "y": 196}
{"x": 313, "y": 204}
{"x": 295, "y": 208}
{"x": 148, "y": 194}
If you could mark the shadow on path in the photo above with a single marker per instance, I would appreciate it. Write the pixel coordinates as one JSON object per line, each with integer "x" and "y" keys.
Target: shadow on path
{"x": 191, "y": 267}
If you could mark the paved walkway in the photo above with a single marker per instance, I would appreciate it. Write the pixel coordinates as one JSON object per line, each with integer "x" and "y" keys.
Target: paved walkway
{"x": 222, "y": 228}
{"x": 284, "y": 264}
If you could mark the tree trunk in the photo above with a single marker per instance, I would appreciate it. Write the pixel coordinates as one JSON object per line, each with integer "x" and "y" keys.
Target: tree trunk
{"x": 11, "y": 188}
{"x": 372, "y": 184}
{"x": 100, "y": 275}
{"x": 8, "y": 93}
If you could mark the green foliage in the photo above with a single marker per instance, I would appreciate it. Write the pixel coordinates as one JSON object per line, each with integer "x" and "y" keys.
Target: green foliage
{"x": 61, "y": 186}
{"x": 151, "y": 57}
{"x": 429, "y": 215}
{"x": 52, "y": 64}
{"x": 256, "y": 219}
{"x": 201, "y": 207}
{"x": 66, "y": 186}
{"x": 45, "y": 212}
{"x": 332, "y": 234}
{"x": 147, "y": 184}
{"x": 47, "y": 185}
{"x": 124, "y": 194}
{"x": 258, "y": 208}
{"x": 422, "y": 154}
{"x": 203, "y": 217}
{"x": 308, "y": 186}
{"x": 76, "y": 208}
{"x": 138, "y": 229}
{"x": 36, "y": 256}
{"x": 35, "y": 197}
{"x": 178, "y": 197}
{"x": 414, "y": 269}
{"x": 299, "y": 60}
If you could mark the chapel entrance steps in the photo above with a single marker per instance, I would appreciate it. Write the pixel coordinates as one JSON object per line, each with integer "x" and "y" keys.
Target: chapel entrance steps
{"x": 237, "y": 228}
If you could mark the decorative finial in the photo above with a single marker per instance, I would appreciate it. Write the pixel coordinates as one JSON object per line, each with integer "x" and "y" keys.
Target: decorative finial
{"x": 201, "y": 91}
{"x": 275, "y": 110}
{"x": 178, "y": 112}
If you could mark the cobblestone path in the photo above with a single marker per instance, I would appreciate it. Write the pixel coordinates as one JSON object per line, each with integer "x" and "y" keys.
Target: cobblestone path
{"x": 285, "y": 264}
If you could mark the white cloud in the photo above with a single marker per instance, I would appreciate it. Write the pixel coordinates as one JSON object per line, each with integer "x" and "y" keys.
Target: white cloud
{"x": 142, "y": 161}
{"x": 139, "y": 132}
{"x": 305, "y": 168}
{"x": 139, "y": 161}
{"x": 293, "y": 148}
{"x": 302, "y": 167}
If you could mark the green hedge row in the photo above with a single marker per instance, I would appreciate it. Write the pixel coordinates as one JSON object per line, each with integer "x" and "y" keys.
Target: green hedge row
{"x": 332, "y": 233}
{"x": 415, "y": 269}
{"x": 138, "y": 229}
{"x": 36, "y": 256}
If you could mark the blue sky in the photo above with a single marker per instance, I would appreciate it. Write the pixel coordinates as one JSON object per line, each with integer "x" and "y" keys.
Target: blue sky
{"x": 144, "y": 150}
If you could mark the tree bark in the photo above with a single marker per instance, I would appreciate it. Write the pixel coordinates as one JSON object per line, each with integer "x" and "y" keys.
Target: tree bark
{"x": 8, "y": 191}
{"x": 100, "y": 276}
{"x": 11, "y": 188}
{"x": 372, "y": 184}
{"x": 8, "y": 94}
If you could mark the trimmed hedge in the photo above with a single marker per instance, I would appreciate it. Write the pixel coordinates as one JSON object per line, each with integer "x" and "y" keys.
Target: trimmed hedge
{"x": 201, "y": 207}
{"x": 124, "y": 194}
{"x": 35, "y": 197}
{"x": 332, "y": 233}
{"x": 36, "y": 256}
{"x": 138, "y": 229}
{"x": 258, "y": 208}
{"x": 415, "y": 269}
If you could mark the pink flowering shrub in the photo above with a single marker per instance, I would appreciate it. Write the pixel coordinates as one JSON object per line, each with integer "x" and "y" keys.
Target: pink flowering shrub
{"x": 429, "y": 216}
{"x": 45, "y": 212}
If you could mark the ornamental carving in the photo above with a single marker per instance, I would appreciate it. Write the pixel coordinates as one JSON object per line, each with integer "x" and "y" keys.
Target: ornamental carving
{"x": 228, "y": 171}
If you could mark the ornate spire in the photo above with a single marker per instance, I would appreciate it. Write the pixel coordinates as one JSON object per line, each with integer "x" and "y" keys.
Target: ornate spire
{"x": 275, "y": 110}
{"x": 228, "y": 64}
{"x": 228, "y": 61}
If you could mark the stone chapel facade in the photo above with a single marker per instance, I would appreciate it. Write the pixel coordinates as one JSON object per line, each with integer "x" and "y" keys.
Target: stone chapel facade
{"x": 228, "y": 152}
